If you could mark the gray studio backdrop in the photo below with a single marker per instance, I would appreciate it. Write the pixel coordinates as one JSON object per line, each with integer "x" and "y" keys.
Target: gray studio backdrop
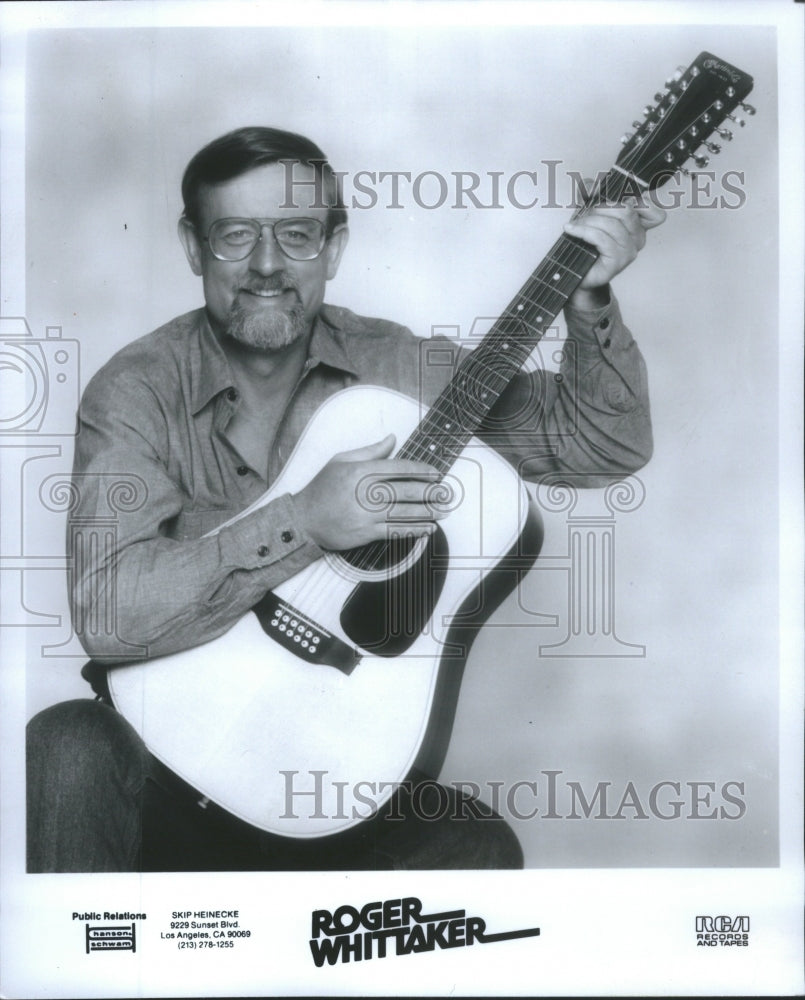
{"x": 688, "y": 693}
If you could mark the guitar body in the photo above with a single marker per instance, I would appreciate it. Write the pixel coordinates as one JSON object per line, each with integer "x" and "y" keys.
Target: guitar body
{"x": 253, "y": 724}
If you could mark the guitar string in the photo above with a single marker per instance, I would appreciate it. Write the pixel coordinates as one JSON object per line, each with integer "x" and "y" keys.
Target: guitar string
{"x": 567, "y": 256}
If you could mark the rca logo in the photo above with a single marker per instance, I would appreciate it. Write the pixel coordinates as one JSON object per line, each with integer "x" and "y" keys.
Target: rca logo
{"x": 722, "y": 924}
{"x": 722, "y": 931}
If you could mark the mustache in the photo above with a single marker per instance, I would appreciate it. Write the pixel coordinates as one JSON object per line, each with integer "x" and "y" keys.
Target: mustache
{"x": 277, "y": 282}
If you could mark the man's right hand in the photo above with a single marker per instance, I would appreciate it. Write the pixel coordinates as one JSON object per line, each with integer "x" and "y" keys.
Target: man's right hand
{"x": 358, "y": 493}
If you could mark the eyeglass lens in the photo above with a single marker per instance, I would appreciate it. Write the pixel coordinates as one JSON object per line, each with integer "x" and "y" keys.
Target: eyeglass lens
{"x": 234, "y": 239}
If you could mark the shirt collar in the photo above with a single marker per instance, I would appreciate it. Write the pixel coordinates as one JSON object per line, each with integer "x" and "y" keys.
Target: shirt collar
{"x": 212, "y": 374}
{"x": 328, "y": 344}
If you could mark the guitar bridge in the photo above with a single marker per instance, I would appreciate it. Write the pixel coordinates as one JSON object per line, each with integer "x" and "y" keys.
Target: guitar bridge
{"x": 308, "y": 640}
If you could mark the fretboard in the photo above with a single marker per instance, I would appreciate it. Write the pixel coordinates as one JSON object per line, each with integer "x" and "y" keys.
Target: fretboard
{"x": 480, "y": 380}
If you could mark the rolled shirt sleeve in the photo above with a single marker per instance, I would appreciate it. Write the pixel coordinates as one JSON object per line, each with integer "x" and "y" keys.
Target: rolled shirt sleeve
{"x": 590, "y": 421}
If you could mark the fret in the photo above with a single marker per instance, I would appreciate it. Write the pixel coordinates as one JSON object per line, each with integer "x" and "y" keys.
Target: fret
{"x": 536, "y": 304}
{"x": 484, "y": 377}
{"x": 537, "y": 300}
{"x": 563, "y": 266}
{"x": 553, "y": 290}
{"x": 551, "y": 300}
{"x": 582, "y": 254}
{"x": 557, "y": 276}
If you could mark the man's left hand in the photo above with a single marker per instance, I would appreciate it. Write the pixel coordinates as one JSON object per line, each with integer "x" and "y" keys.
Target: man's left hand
{"x": 618, "y": 232}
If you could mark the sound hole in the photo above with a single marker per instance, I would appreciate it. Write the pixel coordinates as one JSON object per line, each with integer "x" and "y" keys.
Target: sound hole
{"x": 386, "y": 616}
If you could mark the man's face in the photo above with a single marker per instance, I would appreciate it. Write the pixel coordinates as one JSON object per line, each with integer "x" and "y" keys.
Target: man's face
{"x": 267, "y": 300}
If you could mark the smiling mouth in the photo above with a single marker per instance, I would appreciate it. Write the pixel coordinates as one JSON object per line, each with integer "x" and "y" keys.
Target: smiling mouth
{"x": 266, "y": 295}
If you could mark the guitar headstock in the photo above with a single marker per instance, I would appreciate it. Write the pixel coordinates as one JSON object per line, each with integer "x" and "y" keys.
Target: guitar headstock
{"x": 697, "y": 102}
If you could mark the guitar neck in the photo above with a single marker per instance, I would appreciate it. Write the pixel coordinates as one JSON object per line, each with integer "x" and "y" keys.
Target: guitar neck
{"x": 482, "y": 377}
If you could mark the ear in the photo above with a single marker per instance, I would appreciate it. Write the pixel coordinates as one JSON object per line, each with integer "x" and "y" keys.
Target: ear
{"x": 191, "y": 244}
{"x": 334, "y": 248}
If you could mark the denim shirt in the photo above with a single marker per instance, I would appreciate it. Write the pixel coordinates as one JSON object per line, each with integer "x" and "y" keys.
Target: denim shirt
{"x": 152, "y": 443}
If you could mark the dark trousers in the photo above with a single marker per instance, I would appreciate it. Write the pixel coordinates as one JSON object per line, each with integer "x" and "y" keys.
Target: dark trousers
{"x": 98, "y": 801}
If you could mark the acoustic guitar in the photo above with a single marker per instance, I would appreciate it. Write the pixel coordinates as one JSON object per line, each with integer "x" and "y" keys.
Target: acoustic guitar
{"x": 346, "y": 676}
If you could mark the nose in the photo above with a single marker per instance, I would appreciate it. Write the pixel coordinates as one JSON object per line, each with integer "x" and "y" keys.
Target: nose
{"x": 266, "y": 256}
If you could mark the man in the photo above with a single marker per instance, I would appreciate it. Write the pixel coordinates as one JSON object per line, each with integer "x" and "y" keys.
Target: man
{"x": 204, "y": 413}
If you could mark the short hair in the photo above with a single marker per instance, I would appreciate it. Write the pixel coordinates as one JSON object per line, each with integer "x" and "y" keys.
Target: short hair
{"x": 244, "y": 149}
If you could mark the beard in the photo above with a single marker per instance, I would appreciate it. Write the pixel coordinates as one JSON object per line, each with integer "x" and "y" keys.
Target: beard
{"x": 267, "y": 329}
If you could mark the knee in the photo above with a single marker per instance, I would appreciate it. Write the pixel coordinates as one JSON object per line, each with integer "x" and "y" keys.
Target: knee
{"x": 503, "y": 847}
{"x": 494, "y": 842}
{"x": 78, "y": 741}
{"x": 468, "y": 833}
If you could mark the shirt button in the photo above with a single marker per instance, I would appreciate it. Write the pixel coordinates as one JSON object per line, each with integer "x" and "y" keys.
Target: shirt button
{"x": 242, "y": 470}
{"x": 604, "y": 323}
{"x": 287, "y": 536}
{"x": 262, "y": 551}
{"x": 232, "y": 395}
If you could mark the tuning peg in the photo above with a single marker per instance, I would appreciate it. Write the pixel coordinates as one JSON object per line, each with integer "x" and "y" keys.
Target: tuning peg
{"x": 626, "y": 137}
{"x": 748, "y": 109}
{"x": 637, "y": 124}
{"x": 725, "y": 134}
{"x": 738, "y": 121}
{"x": 648, "y": 110}
{"x": 713, "y": 147}
{"x": 681, "y": 144}
{"x": 701, "y": 161}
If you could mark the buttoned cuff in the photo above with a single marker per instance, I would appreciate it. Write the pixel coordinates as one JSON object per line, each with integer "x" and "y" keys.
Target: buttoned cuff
{"x": 269, "y": 534}
{"x": 602, "y": 327}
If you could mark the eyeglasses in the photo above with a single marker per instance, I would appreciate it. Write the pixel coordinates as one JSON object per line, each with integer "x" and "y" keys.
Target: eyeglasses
{"x": 234, "y": 239}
